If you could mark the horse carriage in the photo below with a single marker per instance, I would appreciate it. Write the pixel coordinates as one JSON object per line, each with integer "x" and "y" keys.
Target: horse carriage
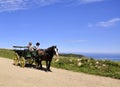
{"x": 23, "y": 56}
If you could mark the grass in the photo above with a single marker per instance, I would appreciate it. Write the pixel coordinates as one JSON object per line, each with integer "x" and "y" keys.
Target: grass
{"x": 88, "y": 65}
{"x": 6, "y": 53}
{"x": 79, "y": 63}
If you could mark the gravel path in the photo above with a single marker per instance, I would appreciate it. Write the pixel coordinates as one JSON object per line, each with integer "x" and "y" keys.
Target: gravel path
{"x": 15, "y": 76}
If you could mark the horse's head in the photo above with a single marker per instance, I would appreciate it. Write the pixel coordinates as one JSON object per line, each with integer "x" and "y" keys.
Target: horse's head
{"x": 55, "y": 50}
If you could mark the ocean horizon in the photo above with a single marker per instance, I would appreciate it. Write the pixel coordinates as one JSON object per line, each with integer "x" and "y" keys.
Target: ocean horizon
{"x": 103, "y": 56}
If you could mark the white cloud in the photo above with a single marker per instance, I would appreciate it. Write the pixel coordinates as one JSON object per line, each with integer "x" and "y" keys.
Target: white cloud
{"x": 109, "y": 23}
{"x": 80, "y": 2}
{"x": 89, "y": 1}
{"x": 11, "y": 5}
{"x": 6, "y": 5}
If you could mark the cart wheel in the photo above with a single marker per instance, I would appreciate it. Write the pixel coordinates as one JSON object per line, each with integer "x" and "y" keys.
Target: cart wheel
{"x": 16, "y": 59}
{"x": 22, "y": 62}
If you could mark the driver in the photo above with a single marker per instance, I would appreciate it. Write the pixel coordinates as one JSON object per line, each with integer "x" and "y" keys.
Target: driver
{"x": 37, "y": 46}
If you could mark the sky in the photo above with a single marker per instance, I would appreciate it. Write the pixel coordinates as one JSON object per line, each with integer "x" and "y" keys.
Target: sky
{"x": 74, "y": 26}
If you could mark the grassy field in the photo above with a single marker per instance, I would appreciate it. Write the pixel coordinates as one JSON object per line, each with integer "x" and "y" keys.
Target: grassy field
{"x": 79, "y": 63}
{"x": 6, "y": 53}
{"x": 88, "y": 65}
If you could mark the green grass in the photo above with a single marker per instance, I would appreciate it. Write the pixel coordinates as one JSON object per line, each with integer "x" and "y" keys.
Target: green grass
{"x": 79, "y": 63}
{"x": 7, "y": 53}
{"x": 88, "y": 65}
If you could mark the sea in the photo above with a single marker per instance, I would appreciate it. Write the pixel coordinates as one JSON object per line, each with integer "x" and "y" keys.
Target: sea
{"x": 103, "y": 56}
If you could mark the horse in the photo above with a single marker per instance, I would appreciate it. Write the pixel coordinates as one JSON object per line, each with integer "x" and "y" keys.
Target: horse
{"x": 46, "y": 55}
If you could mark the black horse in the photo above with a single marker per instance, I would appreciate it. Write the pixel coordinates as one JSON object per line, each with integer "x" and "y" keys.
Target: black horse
{"x": 47, "y": 56}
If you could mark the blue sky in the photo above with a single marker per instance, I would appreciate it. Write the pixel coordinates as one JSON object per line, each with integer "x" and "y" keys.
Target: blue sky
{"x": 73, "y": 25}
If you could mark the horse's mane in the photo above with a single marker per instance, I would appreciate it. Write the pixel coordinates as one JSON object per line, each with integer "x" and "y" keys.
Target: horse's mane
{"x": 50, "y": 48}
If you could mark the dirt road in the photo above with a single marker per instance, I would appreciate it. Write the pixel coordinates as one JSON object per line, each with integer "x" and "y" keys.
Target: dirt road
{"x": 15, "y": 76}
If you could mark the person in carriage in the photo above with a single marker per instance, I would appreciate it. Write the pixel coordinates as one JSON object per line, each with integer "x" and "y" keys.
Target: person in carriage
{"x": 30, "y": 47}
{"x": 37, "y": 46}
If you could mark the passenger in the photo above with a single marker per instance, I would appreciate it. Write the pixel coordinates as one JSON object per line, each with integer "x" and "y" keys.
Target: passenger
{"x": 39, "y": 51}
{"x": 37, "y": 46}
{"x": 30, "y": 47}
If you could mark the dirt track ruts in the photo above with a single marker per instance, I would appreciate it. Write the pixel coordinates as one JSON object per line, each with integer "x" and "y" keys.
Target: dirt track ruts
{"x": 15, "y": 76}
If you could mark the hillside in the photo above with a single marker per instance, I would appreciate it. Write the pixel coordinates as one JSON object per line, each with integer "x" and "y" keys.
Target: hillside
{"x": 79, "y": 63}
{"x": 7, "y": 53}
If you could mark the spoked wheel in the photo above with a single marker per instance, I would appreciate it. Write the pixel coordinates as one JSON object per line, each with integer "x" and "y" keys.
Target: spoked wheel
{"x": 22, "y": 62}
{"x": 16, "y": 59}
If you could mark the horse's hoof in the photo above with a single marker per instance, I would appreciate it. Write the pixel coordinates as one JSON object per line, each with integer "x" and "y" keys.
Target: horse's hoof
{"x": 49, "y": 70}
{"x": 40, "y": 68}
{"x": 37, "y": 67}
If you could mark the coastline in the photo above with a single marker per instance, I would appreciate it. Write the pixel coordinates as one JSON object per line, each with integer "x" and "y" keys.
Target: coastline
{"x": 103, "y": 56}
{"x": 98, "y": 56}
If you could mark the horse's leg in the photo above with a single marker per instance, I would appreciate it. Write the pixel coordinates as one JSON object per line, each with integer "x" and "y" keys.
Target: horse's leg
{"x": 40, "y": 62}
{"x": 49, "y": 63}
